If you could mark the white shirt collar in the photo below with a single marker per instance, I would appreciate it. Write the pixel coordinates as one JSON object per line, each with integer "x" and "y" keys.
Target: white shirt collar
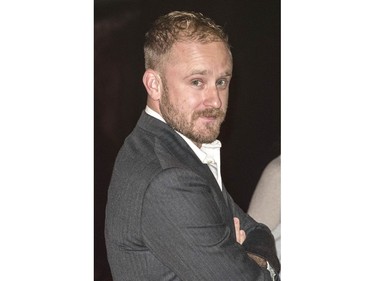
{"x": 154, "y": 114}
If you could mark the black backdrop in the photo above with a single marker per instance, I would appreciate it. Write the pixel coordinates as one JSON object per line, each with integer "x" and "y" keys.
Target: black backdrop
{"x": 251, "y": 133}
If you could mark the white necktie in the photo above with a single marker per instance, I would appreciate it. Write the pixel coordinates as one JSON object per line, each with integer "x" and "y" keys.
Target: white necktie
{"x": 213, "y": 160}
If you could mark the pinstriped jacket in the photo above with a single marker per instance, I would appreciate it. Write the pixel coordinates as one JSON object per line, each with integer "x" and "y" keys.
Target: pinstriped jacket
{"x": 167, "y": 219}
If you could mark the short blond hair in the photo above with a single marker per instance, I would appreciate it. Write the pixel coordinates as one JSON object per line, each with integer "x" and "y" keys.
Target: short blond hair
{"x": 179, "y": 26}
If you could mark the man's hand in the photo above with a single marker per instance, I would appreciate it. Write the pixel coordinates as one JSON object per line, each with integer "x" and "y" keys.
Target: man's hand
{"x": 240, "y": 237}
{"x": 240, "y": 234}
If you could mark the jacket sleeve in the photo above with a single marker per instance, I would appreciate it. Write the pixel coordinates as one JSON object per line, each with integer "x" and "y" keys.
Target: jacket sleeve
{"x": 182, "y": 226}
{"x": 259, "y": 239}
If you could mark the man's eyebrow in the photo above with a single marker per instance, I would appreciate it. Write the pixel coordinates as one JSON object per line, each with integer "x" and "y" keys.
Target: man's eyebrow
{"x": 227, "y": 73}
{"x": 197, "y": 71}
{"x": 205, "y": 72}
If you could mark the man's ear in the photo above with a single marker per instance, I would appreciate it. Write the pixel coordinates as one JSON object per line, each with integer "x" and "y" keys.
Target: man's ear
{"x": 152, "y": 82}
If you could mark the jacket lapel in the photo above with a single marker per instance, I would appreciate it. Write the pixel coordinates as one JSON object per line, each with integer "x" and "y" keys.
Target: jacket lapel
{"x": 181, "y": 150}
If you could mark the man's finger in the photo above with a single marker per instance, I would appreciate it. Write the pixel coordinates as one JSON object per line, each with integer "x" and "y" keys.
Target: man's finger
{"x": 240, "y": 234}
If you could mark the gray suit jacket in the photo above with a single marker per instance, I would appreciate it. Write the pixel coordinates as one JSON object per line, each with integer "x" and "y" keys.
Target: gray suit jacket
{"x": 167, "y": 219}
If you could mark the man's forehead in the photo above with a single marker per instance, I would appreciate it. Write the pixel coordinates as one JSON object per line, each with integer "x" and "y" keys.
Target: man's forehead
{"x": 196, "y": 54}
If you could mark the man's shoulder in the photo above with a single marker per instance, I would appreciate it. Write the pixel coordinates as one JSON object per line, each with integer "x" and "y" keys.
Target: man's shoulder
{"x": 145, "y": 151}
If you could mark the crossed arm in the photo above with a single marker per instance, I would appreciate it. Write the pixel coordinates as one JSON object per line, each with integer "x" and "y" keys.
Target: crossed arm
{"x": 182, "y": 226}
{"x": 241, "y": 237}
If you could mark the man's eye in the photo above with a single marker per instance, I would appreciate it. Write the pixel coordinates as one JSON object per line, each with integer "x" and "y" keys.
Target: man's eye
{"x": 222, "y": 83}
{"x": 196, "y": 83}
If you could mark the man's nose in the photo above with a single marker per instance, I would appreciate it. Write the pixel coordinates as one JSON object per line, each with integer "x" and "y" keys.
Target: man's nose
{"x": 212, "y": 97}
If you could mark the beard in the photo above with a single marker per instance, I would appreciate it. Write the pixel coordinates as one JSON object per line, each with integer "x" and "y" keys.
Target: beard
{"x": 179, "y": 121}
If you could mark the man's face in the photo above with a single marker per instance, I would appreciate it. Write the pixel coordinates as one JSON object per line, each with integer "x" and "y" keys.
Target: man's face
{"x": 195, "y": 89}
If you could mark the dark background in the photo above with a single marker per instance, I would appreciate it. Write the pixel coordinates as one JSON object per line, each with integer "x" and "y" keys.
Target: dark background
{"x": 251, "y": 133}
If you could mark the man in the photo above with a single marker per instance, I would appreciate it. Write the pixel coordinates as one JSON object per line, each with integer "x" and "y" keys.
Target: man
{"x": 168, "y": 214}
